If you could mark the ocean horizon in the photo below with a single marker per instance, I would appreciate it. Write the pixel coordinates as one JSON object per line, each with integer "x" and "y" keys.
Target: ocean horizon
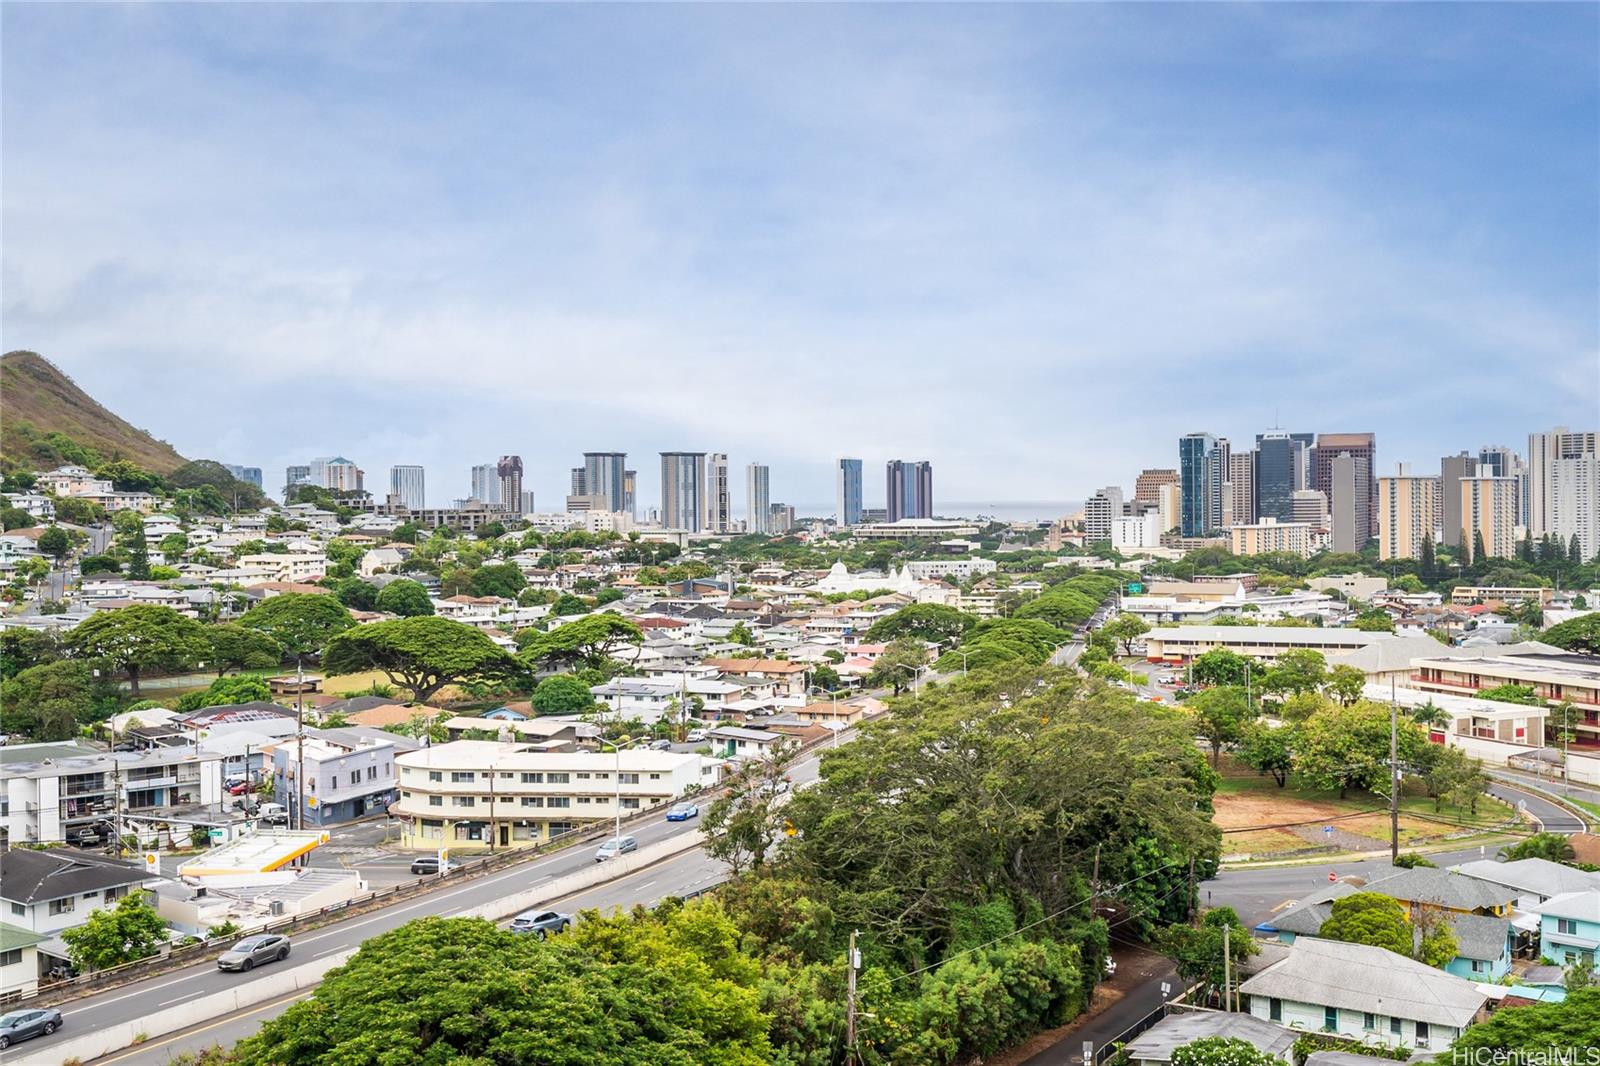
{"x": 1004, "y": 511}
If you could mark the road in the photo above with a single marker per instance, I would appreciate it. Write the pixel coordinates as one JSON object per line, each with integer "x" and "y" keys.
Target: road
{"x": 54, "y": 587}
{"x": 179, "y": 986}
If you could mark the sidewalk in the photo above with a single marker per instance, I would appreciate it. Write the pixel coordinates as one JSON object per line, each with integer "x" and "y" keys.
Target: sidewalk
{"x": 1134, "y": 992}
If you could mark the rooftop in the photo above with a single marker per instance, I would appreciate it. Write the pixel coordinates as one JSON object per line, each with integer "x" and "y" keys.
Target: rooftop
{"x": 1175, "y": 1030}
{"x": 29, "y": 876}
{"x": 479, "y": 754}
{"x": 1361, "y": 978}
{"x": 262, "y": 852}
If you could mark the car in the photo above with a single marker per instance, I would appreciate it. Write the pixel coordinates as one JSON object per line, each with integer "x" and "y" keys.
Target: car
{"x": 773, "y": 788}
{"x": 254, "y": 950}
{"x": 541, "y": 923}
{"x": 614, "y": 847}
{"x": 22, "y": 1024}
{"x": 428, "y": 864}
{"x": 682, "y": 812}
{"x": 696, "y": 735}
{"x": 273, "y": 814}
{"x": 661, "y": 745}
{"x": 238, "y": 788}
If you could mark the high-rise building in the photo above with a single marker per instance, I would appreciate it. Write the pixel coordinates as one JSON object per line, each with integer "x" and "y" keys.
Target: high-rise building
{"x": 509, "y": 471}
{"x": 1408, "y": 513}
{"x": 780, "y": 518}
{"x": 1348, "y": 516}
{"x": 1239, "y": 490}
{"x": 757, "y": 498}
{"x": 719, "y": 507}
{"x": 295, "y": 475}
{"x": 605, "y": 475}
{"x": 527, "y": 502}
{"x": 1169, "y": 505}
{"x": 1147, "y": 486}
{"x": 1452, "y": 468}
{"x": 1363, "y": 446}
{"x": 486, "y": 484}
{"x": 1557, "y": 459}
{"x": 630, "y": 493}
{"x": 682, "y": 490}
{"x": 250, "y": 475}
{"x": 406, "y": 483}
{"x": 1100, "y": 513}
{"x": 909, "y": 489}
{"x": 578, "y": 482}
{"x": 1197, "y": 462}
{"x": 336, "y": 473}
{"x": 1270, "y": 535}
{"x": 1575, "y": 488}
{"x": 1308, "y": 507}
{"x": 847, "y": 509}
{"x": 1279, "y": 470}
{"x": 1489, "y": 514}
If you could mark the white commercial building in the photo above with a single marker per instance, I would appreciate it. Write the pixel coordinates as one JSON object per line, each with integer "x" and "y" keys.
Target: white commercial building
{"x": 1135, "y": 532}
{"x": 934, "y": 569}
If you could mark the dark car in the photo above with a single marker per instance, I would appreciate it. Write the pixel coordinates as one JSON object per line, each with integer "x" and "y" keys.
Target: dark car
{"x": 541, "y": 923}
{"x": 427, "y": 865}
{"x": 21, "y": 1024}
{"x": 252, "y": 951}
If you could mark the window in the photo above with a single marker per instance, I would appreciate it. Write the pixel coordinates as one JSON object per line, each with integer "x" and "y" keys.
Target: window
{"x": 584, "y": 799}
{"x": 372, "y": 773}
{"x": 533, "y": 801}
{"x": 1330, "y": 1019}
{"x": 533, "y": 779}
{"x": 1394, "y": 1026}
{"x": 17, "y": 908}
{"x": 466, "y": 801}
{"x": 600, "y": 777}
{"x": 435, "y": 775}
{"x": 1369, "y": 1021}
{"x": 1422, "y": 1034}
{"x": 1275, "y": 1009}
{"x": 11, "y": 958}
{"x": 629, "y": 779}
{"x": 583, "y": 777}
{"x": 506, "y": 775}
{"x": 1479, "y": 966}
{"x": 629, "y": 803}
{"x": 460, "y": 776}
{"x": 557, "y": 779}
{"x": 1566, "y": 925}
{"x": 558, "y": 801}
{"x": 436, "y": 801}
{"x": 655, "y": 777}
{"x": 63, "y": 906}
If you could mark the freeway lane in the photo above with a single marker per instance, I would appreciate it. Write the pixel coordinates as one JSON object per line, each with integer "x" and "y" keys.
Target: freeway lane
{"x": 680, "y": 875}
{"x": 169, "y": 990}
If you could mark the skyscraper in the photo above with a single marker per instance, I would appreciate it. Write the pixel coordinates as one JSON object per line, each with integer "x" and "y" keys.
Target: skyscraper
{"x": 1239, "y": 490}
{"x": 1280, "y": 464}
{"x": 250, "y": 475}
{"x": 509, "y": 470}
{"x": 1100, "y": 513}
{"x": 1556, "y": 459}
{"x": 605, "y": 476}
{"x": 758, "y": 499}
{"x": 486, "y": 484}
{"x": 295, "y": 475}
{"x": 1347, "y": 503}
{"x": 847, "y": 474}
{"x": 1147, "y": 486}
{"x": 630, "y": 493}
{"x": 406, "y": 482}
{"x": 909, "y": 489}
{"x": 1408, "y": 512}
{"x": 1488, "y": 516}
{"x": 336, "y": 473}
{"x": 719, "y": 508}
{"x": 1196, "y": 459}
{"x": 1363, "y": 446}
{"x": 1452, "y": 468}
{"x": 682, "y": 491}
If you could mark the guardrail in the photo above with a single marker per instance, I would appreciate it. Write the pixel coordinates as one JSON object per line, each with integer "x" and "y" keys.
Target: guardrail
{"x": 177, "y": 957}
{"x": 1584, "y": 818}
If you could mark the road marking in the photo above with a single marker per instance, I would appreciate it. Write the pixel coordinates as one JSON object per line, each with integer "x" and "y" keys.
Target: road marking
{"x": 225, "y": 1020}
{"x": 169, "y": 1002}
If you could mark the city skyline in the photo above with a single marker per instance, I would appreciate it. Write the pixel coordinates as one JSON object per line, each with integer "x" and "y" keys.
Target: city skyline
{"x": 1348, "y": 228}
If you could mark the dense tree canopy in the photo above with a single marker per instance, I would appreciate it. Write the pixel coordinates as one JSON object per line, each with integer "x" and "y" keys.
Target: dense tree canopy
{"x": 405, "y": 597}
{"x": 1581, "y": 634}
{"x": 1348, "y": 747}
{"x": 140, "y": 637}
{"x": 421, "y": 654}
{"x": 50, "y": 701}
{"x": 562, "y": 694}
{"x": 498, "y": 579}
{"x": 112, "y": 936}
{"x": 933, "y": 622}
{"x": 586, "y": 641}
{"x": 1572, "y": 1024}
{"x": 237, "y": 647}
{"x": 302, "y": 623}
{"x": 1369, "y": 918}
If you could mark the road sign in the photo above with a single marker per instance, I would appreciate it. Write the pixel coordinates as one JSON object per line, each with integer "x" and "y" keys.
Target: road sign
{"x": 1327, "y": 830}
{"x": 217, "y": 834}
{"x": 1332, "y": 876}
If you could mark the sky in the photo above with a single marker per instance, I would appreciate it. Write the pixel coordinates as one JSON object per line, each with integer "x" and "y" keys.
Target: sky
{"x": 1031, "y": 244}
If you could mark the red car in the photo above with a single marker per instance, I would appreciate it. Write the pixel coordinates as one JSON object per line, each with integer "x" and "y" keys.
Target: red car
{"x": 238, "y": 788}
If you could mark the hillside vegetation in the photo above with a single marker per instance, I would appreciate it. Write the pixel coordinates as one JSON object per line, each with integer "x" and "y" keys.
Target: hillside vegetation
{"x": 49, "y": 420}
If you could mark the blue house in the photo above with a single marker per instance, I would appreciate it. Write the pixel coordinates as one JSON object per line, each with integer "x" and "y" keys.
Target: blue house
{"x": 1569, "y": 927}
{"x": 1484, "y": 951}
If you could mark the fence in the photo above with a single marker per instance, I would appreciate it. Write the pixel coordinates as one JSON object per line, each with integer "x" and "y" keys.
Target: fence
{"x": 1113, "y": 1046}
{"x": 177, "y": 957}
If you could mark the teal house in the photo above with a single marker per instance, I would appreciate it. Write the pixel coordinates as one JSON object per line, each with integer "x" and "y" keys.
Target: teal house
{"x": 1569, "y": 927}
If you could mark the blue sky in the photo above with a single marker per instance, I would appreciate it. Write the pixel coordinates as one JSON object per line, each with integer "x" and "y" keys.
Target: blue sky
{"x": 1033, "y": 244}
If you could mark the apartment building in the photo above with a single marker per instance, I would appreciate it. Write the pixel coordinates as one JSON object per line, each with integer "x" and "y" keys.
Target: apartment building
{"x": 474, "y": 794}
{"x": 1489, "y": 515}
{"x": 1270, "y": 535}
{"x": 1555, "y": 678}
{"x": 51, "y": 792}
{"x": 934, "y": 569}
{"x": 349, "y": 773}
{"x": 1182, "y": 643}
{"x": 1409, "y": 511}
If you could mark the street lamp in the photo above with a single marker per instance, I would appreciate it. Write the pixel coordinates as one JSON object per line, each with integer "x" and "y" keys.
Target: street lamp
{"x": 617, "y": 746}
{"x": 916, "y": 672}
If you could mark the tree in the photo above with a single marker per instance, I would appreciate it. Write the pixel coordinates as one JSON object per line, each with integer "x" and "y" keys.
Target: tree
{"x": 1222, "y": 1051}
{"x": 673, "y": 986}
{"x": 1411, "y": 860}
{"x": 237, "y": 647}
{"x": 1526, "y": 695}
{"x": 422, "y": 654}
{"x": 1346, "y": 683}
{"x": 1572, "y": 1023}
{"x": 1369, "y": 918}
{"x": 138, "y": 552}
{"x": 1552, "y": 847}
{"x": 173, "y": 544}
{"x": 1580, "y": 634}
{"x": 1221, "y": 716}
{"x": 55, "y": 542}
{"x": 562, "y": 694}
{"x": 1479, "y": 553}
{"x": 354, "y": 593}
{"x": 47, "y": 702}
{"x": 22, "y": 648}
{"x": 406, "y": 598}
{"x": 1348, "y": 747}
{"x": 1197, "y": 949}
{"x": 140, "y": 637}
{"x": 1296, "y": 670}
{"x": 587, "y": 641}
{"x": 99, "y": 564}
{"x": 1219, "y": 666}
{"x": 301, "y": 622}
{"x": 1125, "y": 629}
{"x": 567, "y": 604}
{"x": 932, "y": 622}
{"x": 1435, "y": 938}
{"x": 1451, "y": 774}
{"x": 115, "y": 935}
{"x": 740, "y": 634}
{"x": 743, "y": 823}
{"x": 498, "y": 579}
{"x": 826, "y": 678}
{"x": 1374, "y": 620}
{"x": 129, "y": 477}
{"x": 897, "y": 667}
{"x": 225, "y": 691}
{"x": 1268, "y": 750}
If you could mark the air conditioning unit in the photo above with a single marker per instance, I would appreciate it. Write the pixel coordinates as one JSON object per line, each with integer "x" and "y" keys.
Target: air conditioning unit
{"x": 275, "y": 908}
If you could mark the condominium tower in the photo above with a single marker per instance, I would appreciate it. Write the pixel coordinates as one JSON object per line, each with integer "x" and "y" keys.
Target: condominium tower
{"x": 757, "y": 499}
{"x": 406, "y": 483}
{"x": 682, "y": 490}
{"x": 848, "y": 491}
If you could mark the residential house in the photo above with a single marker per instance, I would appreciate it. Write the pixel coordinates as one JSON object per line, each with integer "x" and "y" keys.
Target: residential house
{"x": 1365, "y": 993}
{"x": 1426, "y": 886}
{"x": 349, "y": 773}
{"x": 1533, "y": 880}
{"x": 1154, "y": 1047}
{"x": 736, "y": 742}
{"x": 789, "y": 676}
{"x": 1569, "y": 927}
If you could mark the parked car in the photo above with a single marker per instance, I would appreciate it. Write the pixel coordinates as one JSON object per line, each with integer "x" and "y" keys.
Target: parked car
{"x": 661, "y": 745}
{"x": 682, "y": 812}
{"x": 273, "y": 814}
{"x": 22, "y": 1024}
{"x": 238, "y": 788}
{"x": 614, "y": 847}
{"x": 773, "y": 788}
{"x": 428, "y": 864}
{"x": 696, "y": 735}
{"x": 541, "y": 923}
{"x": 252, "y": 951}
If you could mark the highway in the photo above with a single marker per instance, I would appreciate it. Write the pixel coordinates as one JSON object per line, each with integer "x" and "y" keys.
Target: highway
{"x": 169, "y": 990}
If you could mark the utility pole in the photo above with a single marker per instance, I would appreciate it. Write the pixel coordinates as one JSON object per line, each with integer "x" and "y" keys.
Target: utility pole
{"x": 494, "y": 830}
{"x": 1193, "y": 900}
{"x": 1094, "y": 883}
{"x": 299, "y": 743}
{"x": 852, "y": 962}
{"x": 1394, "y": 776}
{"x": 1227, "y": 968}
